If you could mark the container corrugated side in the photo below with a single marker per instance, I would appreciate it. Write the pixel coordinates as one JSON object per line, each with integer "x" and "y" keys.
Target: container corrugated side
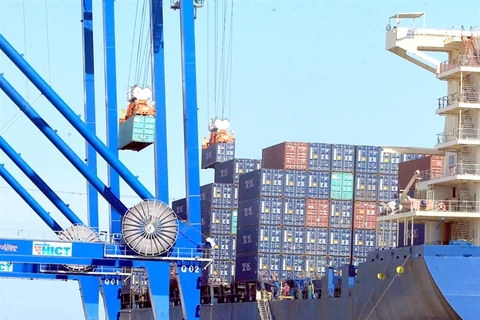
{"x": 367, "y": 159}
{"x": 295, "y": 184}
{"x": 417, "y": 233}
{"x": 294, "y": 212}
{"x": 411, "y": 156}
{"x": 220, "y": 271}
{"x": 343, "y": 157}
{"x": 180, "y": 208}
{"x": 217, "y": 153}
{"x": 341, "y": 187}
{"x": 339, "y": 242}
{"x": 217, "y": 195}
{"x": 317, "y": 213}
{"x": 319, "y": 156}
{"x": 292, "y": 267}
{"x": 318, "y": 185}
{"x": 389, "y": 162}
{"x": 387, "y": 187}
{"x": 223, "y": 248}
{"x": 430, "y": 166}
{"x": 230, "y": 171}
{"x": 258, "y": 239}
{"x": 286, "y": 155}
{"x": 264, "y": 182}
{"x": 340, "y": 214}
{"x": 316, "y": 241}
{"x": 363, "y": 242}
{"x": 217, "y": 221}
{"x": 366, "y": 187}
{"x": 337, "y": 263}
{"x": 315, "y": 266}
{"x": 293, "y": 240}
{"x": 365, "y": 215}
{"x": 256, "y": 267}
{"x": 386, "y": 234}
{"x": 260, "y": 211}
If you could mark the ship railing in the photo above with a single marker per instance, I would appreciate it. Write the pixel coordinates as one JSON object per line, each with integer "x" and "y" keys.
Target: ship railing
{"x": 463, "y": 60}
{"x": 458, "y": 134}
{"x": 441, "y": 205}
{"x": 458, "y": 97}
{"x": 452, "y": 170}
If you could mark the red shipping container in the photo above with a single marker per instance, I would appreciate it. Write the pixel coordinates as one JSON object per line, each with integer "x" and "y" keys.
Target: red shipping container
{"x": 433, "y": 165}
{"x": 286, "y": 155}
{"x": 318, "y": 212}
{"x": 365, "y": 215}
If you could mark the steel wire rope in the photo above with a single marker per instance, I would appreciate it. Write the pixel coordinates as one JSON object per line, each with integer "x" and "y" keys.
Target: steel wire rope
{"x": 133, "y": 46}
{"x": 230, "y": 64}
{"x": 48, "y": 43}
{"x": 221, "y": 77}
{"x": 208, "y": 64}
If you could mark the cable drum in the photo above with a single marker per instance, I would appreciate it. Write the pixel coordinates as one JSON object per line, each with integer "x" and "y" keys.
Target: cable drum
{"x": 150, "y": 228}
{"x": 79, "y": 233}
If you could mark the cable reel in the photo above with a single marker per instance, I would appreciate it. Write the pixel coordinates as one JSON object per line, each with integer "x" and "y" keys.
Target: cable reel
{"x": 79, "y": 233}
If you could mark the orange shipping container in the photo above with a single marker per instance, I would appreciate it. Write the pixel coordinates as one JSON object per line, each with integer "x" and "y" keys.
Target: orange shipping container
{"x": 286, "y": 155}
{"x": 433, "y": 165}
{"x": 365, "y": 215}
{"x": 317, "y": 213}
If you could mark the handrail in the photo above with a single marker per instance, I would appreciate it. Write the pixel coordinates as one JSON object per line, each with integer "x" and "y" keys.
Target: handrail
{"x": 460, "y": 61}
{"x": 454, "y": 169}
{"x": 439, "y": 206}
{"x": 458, "y": 97}
{"x": 458, "y": 134}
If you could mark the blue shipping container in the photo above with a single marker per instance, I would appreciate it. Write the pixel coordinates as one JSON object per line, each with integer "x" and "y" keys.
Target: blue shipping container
{"x": 318, "y": 185}
{"x": 338, "y": 263}
{"x": 220, "y": 271}
{"x": 316, "y": 240}
{"x": 295, "y": 184}
{"x": 257, "y": 267}
{"x": 319, "y": 156}
{"x": 409, "y": 156}
{"x": 315, "y": 265}
{"x": 217, "y": 221}
{"x": 388, "y": 162}
{"x": 230, "y": 171}
{"x": 417, "y": 233}
{"x": 387, "y": 187}
{"x": 366, "y": 186}
{"x": 343, "y": 157}
{"x": 340, "y": 214}
{"x": 367, "y": 159}
{"x": 217, "y": 195}
{"x": 180, "y": 208}
{"x": 339, "y": 242}
{"x": 262, "y": 239}
{"x": 264, "y": 182}
{"x": 293, "y": 267}
{"x": 217, "y": 153}
{"x": 223, "y": 246}
{"x": 293, "y": 240}
{"x": 294, "y": 212}
{"x": 363, "y": 242}
{"x": 260, "y": 211}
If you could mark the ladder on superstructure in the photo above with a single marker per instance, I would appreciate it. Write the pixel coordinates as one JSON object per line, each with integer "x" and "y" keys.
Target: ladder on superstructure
{"x": 263, "y": 306}
{"x": 472, "y": 50}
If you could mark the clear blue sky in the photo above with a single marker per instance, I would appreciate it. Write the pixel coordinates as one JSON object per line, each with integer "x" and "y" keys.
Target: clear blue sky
{"x": 303, "y": 70}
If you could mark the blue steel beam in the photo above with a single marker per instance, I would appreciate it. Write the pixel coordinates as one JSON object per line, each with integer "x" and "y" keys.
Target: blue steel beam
{"x": 60, "y": 144}
{"x": 111, "y": 108}
{"x": 192, "y": 232}
{"x": 73, "y": 119}
{"x": 44, "y": 215}
{"x": 47, "y": 191}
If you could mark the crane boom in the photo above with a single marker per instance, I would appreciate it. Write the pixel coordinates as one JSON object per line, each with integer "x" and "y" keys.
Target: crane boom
{"x": 403, "y": 196}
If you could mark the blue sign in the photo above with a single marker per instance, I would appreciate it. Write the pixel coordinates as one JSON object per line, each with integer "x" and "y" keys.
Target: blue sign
{"x": 6, "y": 266}
{"x": 56, "y": 249}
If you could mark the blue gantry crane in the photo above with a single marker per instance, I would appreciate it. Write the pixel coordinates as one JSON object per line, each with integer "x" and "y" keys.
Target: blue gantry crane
{"x": 147, "y": 236}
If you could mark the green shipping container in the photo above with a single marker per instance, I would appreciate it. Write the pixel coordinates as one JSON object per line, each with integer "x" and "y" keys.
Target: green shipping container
{"x": 136, "y": 133}
{"x": 234, "y": 221}
{"x": 341, "y": 186}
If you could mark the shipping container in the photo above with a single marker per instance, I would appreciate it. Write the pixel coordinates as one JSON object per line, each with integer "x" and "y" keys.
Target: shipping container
{"x": 412, "y": 156}
{"x": 388, "y": 162}
{"x": 255, "y": 267}
{"x": 230, "y": 171}
{"x": 217, "y": 195}
{"x": 341, "y": 186}
{"x": 259, "y": 239}
{"x": 136, "y": 133}
{"x": 217, "y": 221}
{"x": 316, "y": 240}
{"x": 219, "y": 272}
{"x": 339, "y": 242}
{"x": 263, "y": 182}
{"x": 217, "y": 153}
{"x": 293, "y": 267}
{"x": 295, "y": 184}
{"x": 367, "y": 159}
{"x": 430, "y": 166}
{"x": 417, "y": 233}
{"x": 318, "y": 185}
{"x": 363, "y": 242}
{"x": 315, "y": 266}
{"x": 319, "y": 156}
{"x": 234, "y": 221}
{"x": 317, "y": 213}
{"x": 366, "y": 187}
{"x": 180, "y": 208}
{"x": 387, "y": 187}
{"x": 260, "y": 211}
{"x": 343, "y": 157}
{"x": 294, "y": 212}
{"x": 293, "y": 240}
{"x": 233, "y": 241}
{"x": 286, "y": 155}
{"x": 340, "y": 214}
{"x": 386, "y": 234}
{"x": 365, "y": 215}
{"x": 235, "y": 195}
{"x": 223, "y": 248}
{"x": 337, "y": 263}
